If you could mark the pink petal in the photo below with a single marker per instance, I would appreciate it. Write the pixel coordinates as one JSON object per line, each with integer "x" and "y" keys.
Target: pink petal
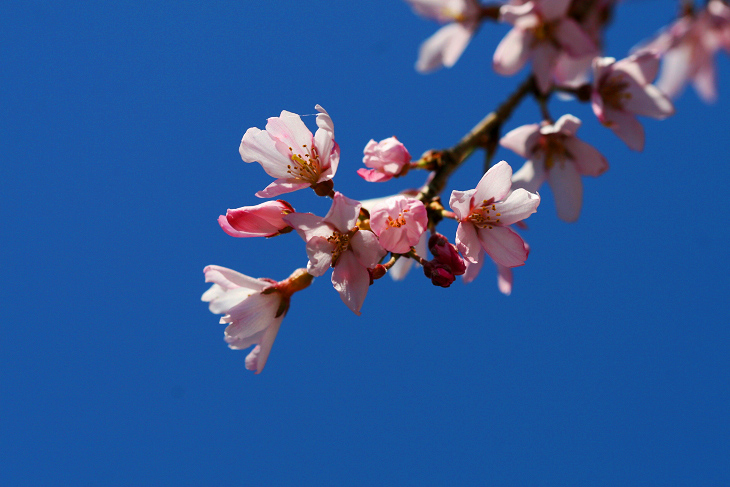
{"x": 567, "y": 125}
{"x": 512, "y": 52}
{"x": 503, "y": 245}
{"x": 519, "y": 205}
{"x": 472, "y": 269}
{"x": 567, "y": 190}
{"x": 467, "y": 241}
{"x": 574, "y": 40}
{"x": 366, "y": 248}
{"x": 553, "y": 9}
{"x": 588, "y": 160}
{"x": 230, "y": 279}
{"x": 445, "y": 47}
{"x": 504, "y": 279}
{"x": 267, "y": 341}
{"x": 257, "y": 145}
{"x": 251, "y": 316}
{"x": 495, "y": 184}
{"x": 222, "y": 300}
{"x": 521, "y": 140}
{"x": 643, "y": 67}
{"x": 373, "y": 175}
{"x": 319, "y": 251}
{"x": 626, "y": 126}
{"x": 530, "y": 176}
{"x": 544, "y": 57}
{"x": 648, "y": 101}
{"x": 351, "y": 280}
{"x": 705, "y": 84}
{"x": 289, "y": 130}
{"x": 675, "y": 70}
{"x": 281, "y": 186}
{"x": 308, "y": 225}
{"x": 343, "y": 213}
{"x": 460, "y": 202}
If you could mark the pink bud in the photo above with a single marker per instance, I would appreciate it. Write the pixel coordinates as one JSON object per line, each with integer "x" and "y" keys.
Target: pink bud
{"x": 439, "y": 274}
{"x": 445, "y": 254}
{"x": 264, "y": 220}
{"x": 387, "y": 159}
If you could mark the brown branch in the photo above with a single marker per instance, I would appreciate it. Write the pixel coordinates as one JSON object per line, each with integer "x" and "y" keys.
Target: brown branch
{"x": 485, "y": 134}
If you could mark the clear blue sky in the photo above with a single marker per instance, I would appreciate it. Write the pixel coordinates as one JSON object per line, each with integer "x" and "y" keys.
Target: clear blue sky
{"x": 119, "y": 131}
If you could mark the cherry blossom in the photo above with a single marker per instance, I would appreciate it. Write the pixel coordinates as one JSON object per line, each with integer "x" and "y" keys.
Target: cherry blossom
{"x": 484, "y": 216}
{"x": 263, "y": 220}
{"x": 399, "y": 223}
{"x": 387, "y": 159}
{"x": 445, "y": 47}
{"x": 336, "y": 241}
{"x": 504, "y": 274}
{"x": 555, "y": 154}
{"x": 542, "y": 33}
{"x": 688, "y": 49}
{"x": 288, "y": 151}
{"x": 623, "y": 89}
{"x": 253, "y": 317}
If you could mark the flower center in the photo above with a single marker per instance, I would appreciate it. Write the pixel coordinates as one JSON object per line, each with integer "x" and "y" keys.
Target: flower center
{"x": 341, "y": 241}
{"x": 613, "y": 91}
{"x": 398, "y": 222}
{"x": 553, "y": 148}
{"x": 544, "y": 32}
{"x": 485, "y": 215}
{"x": 304, "y": 166}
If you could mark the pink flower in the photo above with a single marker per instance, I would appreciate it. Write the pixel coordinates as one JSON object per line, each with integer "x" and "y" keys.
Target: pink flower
{"x": 264, "y": 220}
{"x": 542, "y": 33}
{"x": 336, "y": 241}
{"x": 253, "y": 317}
{"x": 387, "y": 158}
{"x": 288, "y": 151}
{"x": 484, "y": 216}
{"x": 555, "y": 154}
{"x": 399, "y": 223}
{"x": 623, "y": 89}
{"x": 445, "y": 47}
{"x": 688, "y": 49}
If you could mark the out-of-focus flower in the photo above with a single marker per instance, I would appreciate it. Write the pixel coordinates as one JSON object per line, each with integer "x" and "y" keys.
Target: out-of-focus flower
{"x": 504, "y": 274}
{"x": 623, "y": 89}
{"x": 387, "y": 159}
{"x": 288, "y": 151}
{"x": 484, "y": 216}
{"x": 555, "y": 154}
{"x": 264, "y": 220}
{"x": 448, "y": 43}
{"x": 688, "y": 48}
{"x": 542, "y": 32}
{"x": 253, "y": 309}
{"x": 399, "y": 223}
{"x": 403, "y": 265}
{"x": 336, "y": 241}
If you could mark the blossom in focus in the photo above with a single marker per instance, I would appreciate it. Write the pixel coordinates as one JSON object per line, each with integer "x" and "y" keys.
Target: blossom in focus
{"x": 399, "y": 223}
{"x": 444, "y": 48}
{"x": 263, "y": 220}
{"x": 485, "y": 214}
{"x": 623, "y": 89}
{"x": 288, "y": 151}
{"x": 555, "y": 154}
{"x": 336, "y": 241}
{"x": 542, "y": 33}
{"x": 688, "y": 49}
{"x": 386, "y": 159}
{"x": 253, "y": 317}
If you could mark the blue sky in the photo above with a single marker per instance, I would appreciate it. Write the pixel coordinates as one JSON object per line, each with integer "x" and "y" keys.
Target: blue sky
{"x": 120, "y": 128}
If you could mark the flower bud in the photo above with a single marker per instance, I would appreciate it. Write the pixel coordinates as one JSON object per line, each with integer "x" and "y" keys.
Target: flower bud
{"x": 263, "y": 220}
{"x": 445, "y": 254}
{"x": 387, "y": 159}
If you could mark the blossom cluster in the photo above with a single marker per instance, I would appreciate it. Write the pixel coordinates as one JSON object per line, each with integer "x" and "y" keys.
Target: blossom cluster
{"x": 361, "y": 241}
